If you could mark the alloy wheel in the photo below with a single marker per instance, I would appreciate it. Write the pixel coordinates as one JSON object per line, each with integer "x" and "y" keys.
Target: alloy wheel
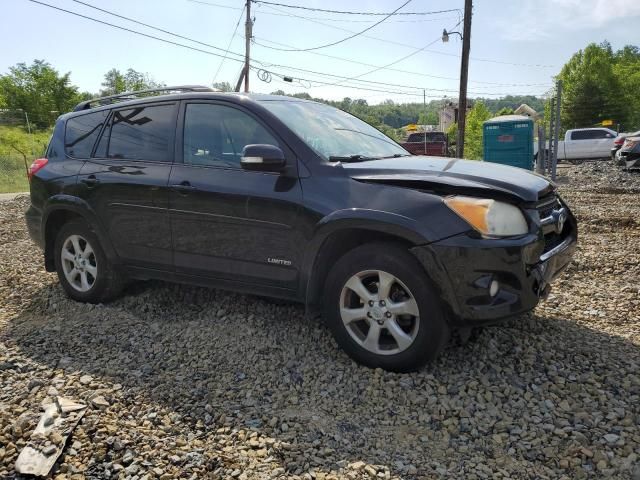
{"x": 379, "y": 312}
{"x": 79, "y": 263}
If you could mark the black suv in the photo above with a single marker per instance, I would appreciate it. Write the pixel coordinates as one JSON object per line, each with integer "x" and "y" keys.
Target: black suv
{"x": 297, "y": 200}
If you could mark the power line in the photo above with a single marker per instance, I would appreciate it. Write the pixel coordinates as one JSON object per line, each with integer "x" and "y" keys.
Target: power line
{"x": 327, "y": 19}
{"x": 142, "y": 34}
{"x": 137, "y": 22}
{"x": 228, "y": 47}
{"x": 221, "y": 56}
{"x": 282, "y": 76}
{"x": 356, "y": 34}
{"x": 393, "y": 42}
{"x": 394, "y": 62}
{"x": 226, "y": 51}
{"x": 356, "y": 87}
{"x": 353, "y": 79}
{"x": 350, "y": 13}
{"x": 352, "y": 60}
{"x": 133, "y": 31}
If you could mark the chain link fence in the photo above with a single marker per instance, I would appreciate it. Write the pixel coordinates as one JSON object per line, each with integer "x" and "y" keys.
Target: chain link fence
{"x": 19, "y": 146}
{"x": 13, "y": 174}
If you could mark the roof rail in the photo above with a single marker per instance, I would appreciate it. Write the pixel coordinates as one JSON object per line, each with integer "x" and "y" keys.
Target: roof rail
{"x": 121, "y": 97}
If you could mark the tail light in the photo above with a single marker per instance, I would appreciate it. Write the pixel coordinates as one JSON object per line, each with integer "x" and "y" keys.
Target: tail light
{"x": 618, "y": 141}
{"x": 37, "y": 165}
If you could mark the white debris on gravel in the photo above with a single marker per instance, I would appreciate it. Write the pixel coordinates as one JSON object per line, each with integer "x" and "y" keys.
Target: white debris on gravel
{"x": 194, "y": 383}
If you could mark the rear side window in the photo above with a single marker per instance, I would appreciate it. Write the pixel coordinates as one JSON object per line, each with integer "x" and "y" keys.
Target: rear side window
{"x": 82, "y": 132}
{"x": 141, "y": 133}
{"x": 579, "y": 135}
{"x": 590, "y": 135}
{"x": 55, "y": 148}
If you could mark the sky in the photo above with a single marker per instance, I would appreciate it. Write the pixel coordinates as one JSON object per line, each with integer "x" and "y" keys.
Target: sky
{"x": 517, "y": 46}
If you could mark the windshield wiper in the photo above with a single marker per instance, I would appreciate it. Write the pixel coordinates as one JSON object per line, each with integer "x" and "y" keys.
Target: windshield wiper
{"x": 350, "y": 158}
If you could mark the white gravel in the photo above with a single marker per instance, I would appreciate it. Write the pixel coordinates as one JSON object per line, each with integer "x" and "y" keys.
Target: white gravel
{"x": 194, "y": 383}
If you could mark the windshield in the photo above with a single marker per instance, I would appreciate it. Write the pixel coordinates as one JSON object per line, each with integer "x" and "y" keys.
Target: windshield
{"x": 332, "y": 133}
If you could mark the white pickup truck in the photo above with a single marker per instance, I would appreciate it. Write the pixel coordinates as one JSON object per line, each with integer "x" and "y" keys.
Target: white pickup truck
{"x": 583, "y": 143}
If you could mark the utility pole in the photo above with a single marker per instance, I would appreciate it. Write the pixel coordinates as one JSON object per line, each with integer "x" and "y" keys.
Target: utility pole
{"x": 248, "y": 32}
{"x": 424, "y": 104}
{"x": 464, "y": 74}
{"x": 549, "y": 149}
{"x": 556, "y": 132}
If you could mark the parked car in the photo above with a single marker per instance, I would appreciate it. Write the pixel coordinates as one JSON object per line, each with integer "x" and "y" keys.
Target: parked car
{"x": 584, "y": 143}
{"x": 619, "y": 141}
{"x": 427, "y": 143}
{"x": 630, "y": 152}
{"x": 293, "y": 199}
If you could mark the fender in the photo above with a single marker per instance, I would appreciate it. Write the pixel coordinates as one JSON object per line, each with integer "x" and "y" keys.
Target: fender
{"x": 81, "y": 207}
{"x": 391, "y": 224}
{"x": 367, "y": 219}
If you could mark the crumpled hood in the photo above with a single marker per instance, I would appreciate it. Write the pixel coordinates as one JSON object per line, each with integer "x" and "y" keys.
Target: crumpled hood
{"x": 440, "y": 173}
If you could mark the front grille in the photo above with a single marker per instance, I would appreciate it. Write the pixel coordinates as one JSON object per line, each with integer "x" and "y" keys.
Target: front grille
{"x": 552, "y": 240}
{"x": 545, "y": 208}
{"x": 547, "y": 205}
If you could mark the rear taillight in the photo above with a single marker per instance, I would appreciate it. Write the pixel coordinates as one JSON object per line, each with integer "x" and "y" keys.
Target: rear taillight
{"x": 618, "y": 141}
{"x": 37, "y": 165}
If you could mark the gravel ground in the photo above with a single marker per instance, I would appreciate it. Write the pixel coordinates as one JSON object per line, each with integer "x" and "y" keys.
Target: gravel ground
{"x": 185, "y": 382}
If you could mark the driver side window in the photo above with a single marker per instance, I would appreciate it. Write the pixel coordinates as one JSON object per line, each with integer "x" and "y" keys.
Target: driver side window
{"x": 214, "y": 135}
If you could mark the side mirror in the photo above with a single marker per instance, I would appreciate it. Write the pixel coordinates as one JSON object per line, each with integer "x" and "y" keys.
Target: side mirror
{"x": 263, "y": 157}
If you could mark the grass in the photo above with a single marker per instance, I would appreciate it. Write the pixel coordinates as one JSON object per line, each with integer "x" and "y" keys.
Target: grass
{"x": 14, "y": 142}
{"x": 13, "y": 176}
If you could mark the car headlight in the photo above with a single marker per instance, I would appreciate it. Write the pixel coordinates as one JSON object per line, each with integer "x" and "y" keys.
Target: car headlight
{"x": 489, "y": 217}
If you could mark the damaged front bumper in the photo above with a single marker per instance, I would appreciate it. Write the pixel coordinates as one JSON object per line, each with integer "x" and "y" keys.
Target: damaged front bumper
{"x": 484, "y": 280}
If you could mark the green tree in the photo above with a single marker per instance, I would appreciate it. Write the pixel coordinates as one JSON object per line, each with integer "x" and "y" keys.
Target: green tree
{"x": 113, "y": 83}
{"x": 39, "y": 90}
{"x": 627, "y": 69}
{"x": 130, "y": 81}
{"x": 223, "y": 86}
{"x": 428, "y": 118}
{"x": 504, "y": 111}
{"x": 473, "y": 131}
{"x": 592, "y": 92}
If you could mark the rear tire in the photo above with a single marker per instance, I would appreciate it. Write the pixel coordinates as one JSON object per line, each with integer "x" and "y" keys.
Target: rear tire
{"x": 382, "y": 309}
{"x": 84, "y": 271}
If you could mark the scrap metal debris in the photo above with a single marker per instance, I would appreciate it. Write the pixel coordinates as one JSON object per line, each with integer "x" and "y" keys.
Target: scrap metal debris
{"x": 49, "y": 437}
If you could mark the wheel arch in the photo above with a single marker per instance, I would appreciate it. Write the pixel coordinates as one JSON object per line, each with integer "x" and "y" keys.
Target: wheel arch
{"x": 60, "y": 210}
{"x": 343, "y": 231}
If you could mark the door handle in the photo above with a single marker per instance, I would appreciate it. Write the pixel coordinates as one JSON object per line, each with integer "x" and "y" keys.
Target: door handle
{"x": 91, "y": 181}
{"x": 183, "y": 187}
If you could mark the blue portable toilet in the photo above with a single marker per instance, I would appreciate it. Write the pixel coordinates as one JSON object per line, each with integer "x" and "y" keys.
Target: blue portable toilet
{"x": 508, "y": 139}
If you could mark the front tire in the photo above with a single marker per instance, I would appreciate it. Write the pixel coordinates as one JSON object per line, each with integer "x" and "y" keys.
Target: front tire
{"x": 382, "y": 309}
{"x": 83, "y": 269}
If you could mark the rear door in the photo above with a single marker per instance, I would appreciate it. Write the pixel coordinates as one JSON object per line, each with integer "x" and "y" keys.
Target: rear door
{"x": 126, "y": 180}
{"x": 602, "y": 143}
{"x": 577, "y": 145}
{"x": 229, "y": 223}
